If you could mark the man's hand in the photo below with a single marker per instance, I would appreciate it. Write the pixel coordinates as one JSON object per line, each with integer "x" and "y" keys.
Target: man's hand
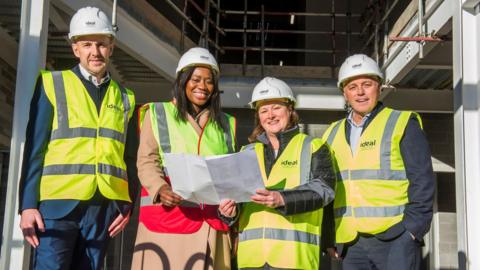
{"x": 118, "y": 224}
{"x": 30, "y": 220}
{"x": 228, "y": 208}
{"x": 332, "y": 252}
{"x": 272, "y": 199}
{"x": 168, "y": 197}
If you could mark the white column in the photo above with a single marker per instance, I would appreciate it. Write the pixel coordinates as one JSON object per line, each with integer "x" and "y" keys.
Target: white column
{"x": 466, "y": 69}
{"x": 31, "y": 57}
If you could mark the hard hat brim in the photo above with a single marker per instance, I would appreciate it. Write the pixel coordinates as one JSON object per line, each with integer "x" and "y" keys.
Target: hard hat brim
{"x": 256, "y": 103}
{"x": 342, "y": 84}
{"x": 73, "y": 36}
{"x": 199, "y": 65}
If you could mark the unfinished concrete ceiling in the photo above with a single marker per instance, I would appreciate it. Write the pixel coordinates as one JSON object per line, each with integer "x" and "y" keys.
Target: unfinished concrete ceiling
{"x": 300, "y": 39}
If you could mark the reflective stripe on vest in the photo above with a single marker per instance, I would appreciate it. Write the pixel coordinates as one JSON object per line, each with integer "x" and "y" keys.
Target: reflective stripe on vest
{"x": 305, "y": 158}
{"x": 66, "y": 169}
{"x": 86, "y": 148}
{"x": 164, "y": 136}
{"x": 370, "y": 199}
{"x": 377, "y": 211}
{"x": 264, "y": 232}
{"x": 280, "y": 234}
{"x": 385, "y": 172}
{"x": 65, "y": 132}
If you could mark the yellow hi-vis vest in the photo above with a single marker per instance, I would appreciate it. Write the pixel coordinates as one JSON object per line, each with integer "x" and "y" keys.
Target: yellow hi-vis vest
{"x": 86, "y": 148}
{"x": 180, "y": 137}
{"x": 291, "y": 242}
{"x": 372, "y": 185}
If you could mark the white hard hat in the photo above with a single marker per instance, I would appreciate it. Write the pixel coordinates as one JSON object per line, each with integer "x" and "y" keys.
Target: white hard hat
{"x": 197, "y": 56}
{"x": 90, "y": 21}
{"x": 356, "y": 65}
{"x": 271, "y": 88}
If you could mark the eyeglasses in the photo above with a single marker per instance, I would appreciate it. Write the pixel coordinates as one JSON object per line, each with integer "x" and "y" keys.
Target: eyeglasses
{"x": 365, "y": 85}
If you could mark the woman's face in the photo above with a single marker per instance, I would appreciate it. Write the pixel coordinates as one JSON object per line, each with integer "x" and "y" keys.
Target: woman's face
{"x": 199, "y": 87}
{"x": 274, "y": 116}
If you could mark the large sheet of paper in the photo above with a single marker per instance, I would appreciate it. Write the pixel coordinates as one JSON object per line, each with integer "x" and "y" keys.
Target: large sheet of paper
{"x": 208, "y": 180}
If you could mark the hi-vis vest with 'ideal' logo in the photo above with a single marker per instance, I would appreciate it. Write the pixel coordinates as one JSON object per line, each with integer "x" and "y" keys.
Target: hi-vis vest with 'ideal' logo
{"x": 291, "y": 242}
{"x": 174, "y": 136}
{"x": 86, "y": 147}
{"x": 372, "y": 185}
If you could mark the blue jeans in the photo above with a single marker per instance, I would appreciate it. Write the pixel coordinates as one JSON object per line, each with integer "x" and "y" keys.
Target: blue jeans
{"x": 79, "y": 240}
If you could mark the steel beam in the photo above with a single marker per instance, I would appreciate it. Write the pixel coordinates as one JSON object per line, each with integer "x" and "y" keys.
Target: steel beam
{"x": 466, "y": 77}
{"x": 279, "y": 13}
{"x": 323, "y": 94}
{"x": 420, "y": 100}
{"x": 470, "y": 5}
{"x": 310, "y": 93}
{"x": 403, "y": 56}
{"x": 31, "y": 58}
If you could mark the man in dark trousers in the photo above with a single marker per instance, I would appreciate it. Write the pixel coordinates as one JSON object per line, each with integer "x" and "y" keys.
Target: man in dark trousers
{"x": 74, "y": 189}
{"x": 385, "y": 185}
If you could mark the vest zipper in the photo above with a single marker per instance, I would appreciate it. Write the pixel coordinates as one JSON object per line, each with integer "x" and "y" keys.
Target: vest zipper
{"x": 202, "y": 206}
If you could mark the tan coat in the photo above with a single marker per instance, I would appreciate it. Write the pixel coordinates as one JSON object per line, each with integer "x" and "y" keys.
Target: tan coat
{"x": 204, "y": 249}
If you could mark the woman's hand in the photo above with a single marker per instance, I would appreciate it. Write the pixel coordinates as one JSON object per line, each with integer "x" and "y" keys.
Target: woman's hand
{"x": 272, "y": 199}
{"x": 228, "y": 208}
{"x": 168, "y": 197}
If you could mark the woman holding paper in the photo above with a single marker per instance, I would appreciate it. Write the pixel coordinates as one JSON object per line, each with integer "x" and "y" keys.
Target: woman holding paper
{"x": 281, "y": 227}
{"x": 174, "y": 234}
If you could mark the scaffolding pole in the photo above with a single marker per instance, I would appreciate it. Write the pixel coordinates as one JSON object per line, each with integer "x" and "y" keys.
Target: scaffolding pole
{"x": 262, "y": 42}
{"x": 205, "y": 27}
{"x": 421, "y": 32}
{"x": 244, "y": 36}
{"x": 205, "y": 15}
{"x": 349, "y": 27}
{"x": 182, "y": 37}
{"x": 257, "y": 49}
{"x": 384, "y": 18}
{"x": 284, "y": 31}
{"x": 192, "y": 24}
{"x": 334, "y": 57}
{"x": 217, "y": 22}
{"x": 279, "y": 13}
{"x": 385, "y": 36}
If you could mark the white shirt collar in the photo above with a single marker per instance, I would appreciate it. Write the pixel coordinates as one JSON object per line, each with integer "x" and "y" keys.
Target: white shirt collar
{"x": 350, "y": 119}
{"x": 93, "y": 79}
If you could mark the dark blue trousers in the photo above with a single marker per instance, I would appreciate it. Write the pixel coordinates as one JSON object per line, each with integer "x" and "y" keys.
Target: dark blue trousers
{"x": 371, "y": 253}
{"x": 78, "y": 240}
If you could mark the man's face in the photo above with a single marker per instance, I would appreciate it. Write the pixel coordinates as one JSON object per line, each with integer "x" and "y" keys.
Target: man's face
{"x": 362, "y": 94}
{"x": 94, "y": 53}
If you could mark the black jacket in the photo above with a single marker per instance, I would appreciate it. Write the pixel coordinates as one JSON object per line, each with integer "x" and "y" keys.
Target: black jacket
{"x": 318, "y": 191}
